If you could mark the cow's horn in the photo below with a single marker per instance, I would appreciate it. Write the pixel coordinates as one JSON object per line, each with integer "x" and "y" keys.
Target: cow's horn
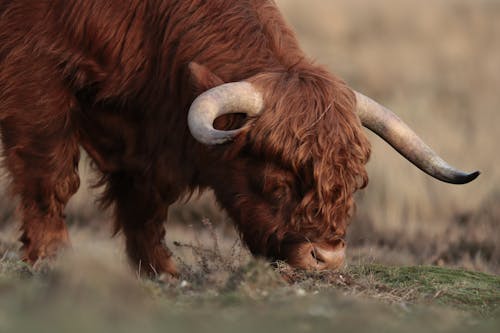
{"x": 392, "y": 129}
{"x": 237, "y": 97}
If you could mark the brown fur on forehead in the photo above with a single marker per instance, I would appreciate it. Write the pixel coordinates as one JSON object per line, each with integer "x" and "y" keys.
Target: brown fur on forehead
{"x": 310, "y": 127}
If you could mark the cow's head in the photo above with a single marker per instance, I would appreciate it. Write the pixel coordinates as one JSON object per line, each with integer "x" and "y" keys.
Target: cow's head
{"x": 290, "y": 167}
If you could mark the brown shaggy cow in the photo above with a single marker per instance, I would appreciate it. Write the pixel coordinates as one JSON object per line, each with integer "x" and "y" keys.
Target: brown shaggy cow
{"x": 281, "y": 144}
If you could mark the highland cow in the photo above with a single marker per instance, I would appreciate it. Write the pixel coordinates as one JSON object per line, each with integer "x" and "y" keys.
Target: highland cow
{"x": 168, "y": 97}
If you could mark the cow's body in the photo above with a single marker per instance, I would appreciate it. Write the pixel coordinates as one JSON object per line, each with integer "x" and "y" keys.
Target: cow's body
{"x": 118, "y": 78}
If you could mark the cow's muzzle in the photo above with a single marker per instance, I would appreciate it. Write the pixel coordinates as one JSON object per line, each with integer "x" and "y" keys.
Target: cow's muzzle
{"x": 316, "y": 256}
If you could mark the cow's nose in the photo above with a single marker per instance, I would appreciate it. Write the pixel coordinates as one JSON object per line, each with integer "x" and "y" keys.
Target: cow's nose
{"x": 328, "y": 256}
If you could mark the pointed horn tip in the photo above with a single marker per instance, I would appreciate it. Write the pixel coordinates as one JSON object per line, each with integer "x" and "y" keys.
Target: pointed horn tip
{"x": 466, "y": 178}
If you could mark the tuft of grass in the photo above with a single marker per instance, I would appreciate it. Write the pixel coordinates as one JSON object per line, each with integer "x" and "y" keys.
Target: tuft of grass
{"x": 473, "y": 292}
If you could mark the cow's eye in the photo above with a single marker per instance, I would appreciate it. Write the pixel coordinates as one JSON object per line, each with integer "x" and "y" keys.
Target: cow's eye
{"x": 280, "y": 193}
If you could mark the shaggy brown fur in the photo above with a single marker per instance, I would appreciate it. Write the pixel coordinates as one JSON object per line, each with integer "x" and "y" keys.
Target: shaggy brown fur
{"x": 115, "y": 77}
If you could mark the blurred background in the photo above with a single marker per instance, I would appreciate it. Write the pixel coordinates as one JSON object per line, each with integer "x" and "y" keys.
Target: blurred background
{"x": 436, "y": 64}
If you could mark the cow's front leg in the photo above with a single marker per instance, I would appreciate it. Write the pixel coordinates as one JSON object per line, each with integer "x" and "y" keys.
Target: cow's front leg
{"x": 141, "y": 214}
{"x": 40, "y": 150}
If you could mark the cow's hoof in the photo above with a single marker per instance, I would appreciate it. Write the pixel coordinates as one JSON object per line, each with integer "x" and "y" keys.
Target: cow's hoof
{"x": 160, "y": 267}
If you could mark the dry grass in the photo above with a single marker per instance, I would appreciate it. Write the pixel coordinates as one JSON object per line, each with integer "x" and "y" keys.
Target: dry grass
{"x": 92, "y": 288}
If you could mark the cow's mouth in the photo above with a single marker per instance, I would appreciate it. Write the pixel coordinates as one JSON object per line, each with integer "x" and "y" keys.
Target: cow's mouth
{"x": 316, "y": 256}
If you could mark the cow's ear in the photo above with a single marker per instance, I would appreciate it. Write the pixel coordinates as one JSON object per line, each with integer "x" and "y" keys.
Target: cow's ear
{"x": 202, "y": 79}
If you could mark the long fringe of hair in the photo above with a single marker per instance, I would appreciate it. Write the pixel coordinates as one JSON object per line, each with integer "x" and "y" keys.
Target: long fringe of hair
{"x": 312, "y": 129}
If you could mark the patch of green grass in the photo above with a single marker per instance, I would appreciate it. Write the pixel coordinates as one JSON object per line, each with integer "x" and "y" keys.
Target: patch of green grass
{"x": 469, "y": 291}
{"x": 472, "y": 292}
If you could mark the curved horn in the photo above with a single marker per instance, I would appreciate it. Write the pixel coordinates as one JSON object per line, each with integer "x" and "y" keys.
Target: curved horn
{"x": 237, "y": 97}
{"x": 392, "y": 129}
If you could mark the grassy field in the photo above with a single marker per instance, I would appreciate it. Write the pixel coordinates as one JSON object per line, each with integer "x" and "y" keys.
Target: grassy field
{"x": 423, "y": 256}
{"x": 221, "y": 289}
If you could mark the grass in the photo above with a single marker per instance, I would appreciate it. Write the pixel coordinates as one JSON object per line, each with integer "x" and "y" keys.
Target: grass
{"x": 469, "y": 291}
{"x": 87, "y": 290}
